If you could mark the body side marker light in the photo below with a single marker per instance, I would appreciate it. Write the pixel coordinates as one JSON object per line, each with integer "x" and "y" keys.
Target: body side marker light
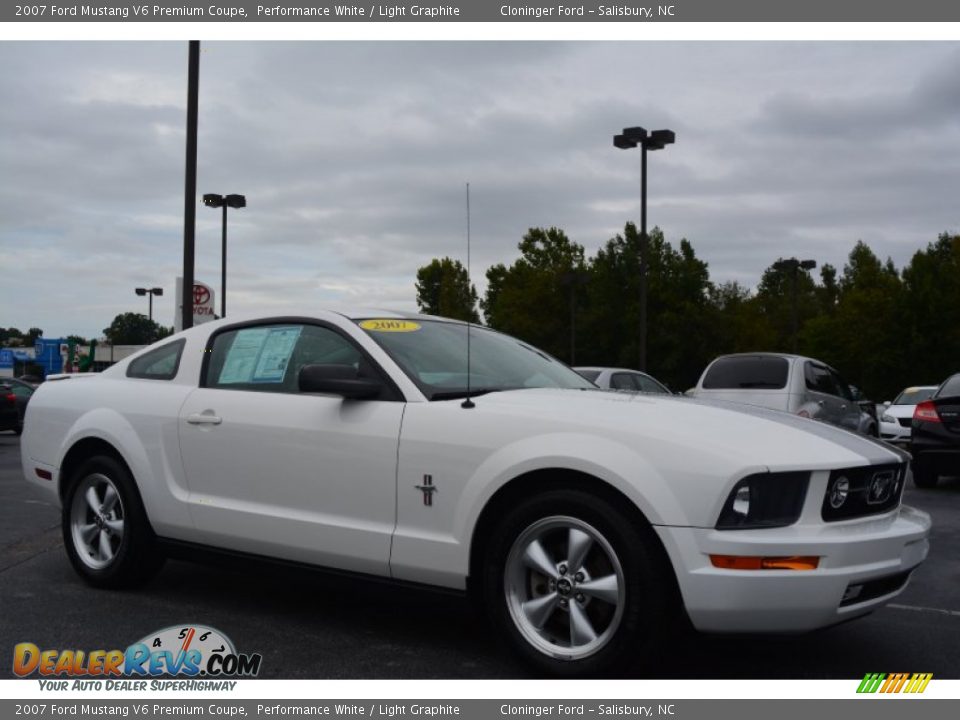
{"x": 738, "y": 562}
{"x": 43, "y": 474}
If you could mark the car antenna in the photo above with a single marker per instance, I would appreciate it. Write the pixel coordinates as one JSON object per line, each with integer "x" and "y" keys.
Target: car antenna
{"x": 468, "y": 403}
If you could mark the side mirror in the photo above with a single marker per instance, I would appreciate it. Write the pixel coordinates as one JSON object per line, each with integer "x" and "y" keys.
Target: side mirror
{"x": 886, "y": 403}
{"x": 337, "y": 380}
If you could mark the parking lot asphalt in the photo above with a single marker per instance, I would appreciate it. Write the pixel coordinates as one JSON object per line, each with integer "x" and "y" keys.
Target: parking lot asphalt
{"x": 314, "y": 626}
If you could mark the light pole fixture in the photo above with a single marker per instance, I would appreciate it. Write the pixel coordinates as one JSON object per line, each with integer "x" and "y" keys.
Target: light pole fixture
{"x": 793, "y": 267}
{"x": 151, "y": 292}
{"x": 655, "y": 140}
{"x": 213, "y": 200}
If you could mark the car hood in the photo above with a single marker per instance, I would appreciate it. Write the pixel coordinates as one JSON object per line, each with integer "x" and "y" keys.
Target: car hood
{"x": 656, "y": 424}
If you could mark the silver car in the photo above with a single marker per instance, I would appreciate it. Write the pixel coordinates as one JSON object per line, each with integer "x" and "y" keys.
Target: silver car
{"x": 623, "y": 379}
{"x": 791, "y": 383}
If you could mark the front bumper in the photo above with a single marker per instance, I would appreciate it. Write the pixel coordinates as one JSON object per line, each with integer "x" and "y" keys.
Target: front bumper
{"x": 894, "y": 433}
{"x": 877, "y": 553}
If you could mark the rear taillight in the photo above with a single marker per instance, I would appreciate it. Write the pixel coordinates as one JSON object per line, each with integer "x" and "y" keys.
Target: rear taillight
{"x": 10, "y": 398}
{"x": 926, "y": 412}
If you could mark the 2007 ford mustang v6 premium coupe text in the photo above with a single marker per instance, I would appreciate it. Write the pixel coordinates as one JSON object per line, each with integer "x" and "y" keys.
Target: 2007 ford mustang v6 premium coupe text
{"x": 581, "y": 519}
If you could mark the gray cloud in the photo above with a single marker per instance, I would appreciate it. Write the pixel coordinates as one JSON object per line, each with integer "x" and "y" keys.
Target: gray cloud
{"x": 354, "y": 158}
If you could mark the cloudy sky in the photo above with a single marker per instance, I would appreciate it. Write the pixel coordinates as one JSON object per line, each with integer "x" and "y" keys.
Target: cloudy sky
{"x": 354, "y": 158}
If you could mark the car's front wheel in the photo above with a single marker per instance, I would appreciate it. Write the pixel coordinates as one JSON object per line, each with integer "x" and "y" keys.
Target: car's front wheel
{"x": 105, "y": 528}
{"x": 576, "y": 586}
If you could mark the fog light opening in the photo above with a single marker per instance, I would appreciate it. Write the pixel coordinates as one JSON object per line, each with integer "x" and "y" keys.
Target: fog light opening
{"x": 851, "y": 593}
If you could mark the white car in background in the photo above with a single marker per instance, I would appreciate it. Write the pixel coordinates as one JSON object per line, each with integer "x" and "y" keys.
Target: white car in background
{"x": 582, "y": 520}
{"x": 897, "y": 416}
{"x": 607, "y": 378}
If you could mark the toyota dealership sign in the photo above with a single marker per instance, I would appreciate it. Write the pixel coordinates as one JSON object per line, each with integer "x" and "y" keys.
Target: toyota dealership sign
{"x": 203, "y": 304}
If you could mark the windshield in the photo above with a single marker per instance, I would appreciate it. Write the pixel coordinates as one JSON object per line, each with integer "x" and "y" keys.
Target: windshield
{"x": 434, "y": 355}
{"x": 914, "y": 396}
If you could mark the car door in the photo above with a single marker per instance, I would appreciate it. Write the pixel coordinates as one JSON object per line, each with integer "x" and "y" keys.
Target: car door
{"x": 277, "y": 472}
{"x": 822, "y": 392}
{"x": 849, "y": 410}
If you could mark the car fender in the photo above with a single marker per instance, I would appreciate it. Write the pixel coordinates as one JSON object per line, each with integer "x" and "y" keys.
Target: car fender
{"x": 433, "y": 544}
{"x": 607, "y": 460}
{"x": 164, "y": 501}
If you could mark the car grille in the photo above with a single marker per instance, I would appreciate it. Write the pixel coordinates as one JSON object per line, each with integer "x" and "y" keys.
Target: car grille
{"x": 870, "y": 490}
{"x": 905, "y": 422}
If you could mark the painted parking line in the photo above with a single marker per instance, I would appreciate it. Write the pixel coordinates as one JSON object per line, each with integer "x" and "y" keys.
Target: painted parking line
{"x": 915, "y": 608}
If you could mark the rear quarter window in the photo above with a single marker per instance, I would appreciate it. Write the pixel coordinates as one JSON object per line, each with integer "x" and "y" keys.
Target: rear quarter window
{"x": 748, "y": 372}
{"x": 159, "y": 364}
{"x": 951, "y": 388}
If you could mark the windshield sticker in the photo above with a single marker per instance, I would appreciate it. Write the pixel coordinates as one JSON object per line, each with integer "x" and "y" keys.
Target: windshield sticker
{"x": 390, "y": 325}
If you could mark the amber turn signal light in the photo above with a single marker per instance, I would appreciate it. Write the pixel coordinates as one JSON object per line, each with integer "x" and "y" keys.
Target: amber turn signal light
{"x": 739, "y": 562}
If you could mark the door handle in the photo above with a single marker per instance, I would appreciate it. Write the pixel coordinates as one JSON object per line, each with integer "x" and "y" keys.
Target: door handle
{"x": 204, "y": 419}
{"x": 820, "y": 403}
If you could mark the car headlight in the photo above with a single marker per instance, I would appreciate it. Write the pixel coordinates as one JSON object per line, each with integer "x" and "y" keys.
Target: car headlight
{"x": 765, "y": 500}
{"x": 888, "y": 418}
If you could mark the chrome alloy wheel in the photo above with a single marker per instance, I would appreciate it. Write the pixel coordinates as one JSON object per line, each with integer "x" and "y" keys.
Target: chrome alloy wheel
{"x": 565, "y": 587}
{"x": 97, "y": 521}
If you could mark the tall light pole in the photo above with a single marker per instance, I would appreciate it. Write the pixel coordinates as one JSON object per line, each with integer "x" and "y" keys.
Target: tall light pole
{"x": 655, "y": 140}
{"x": 190, "y": 184}
{"x": 794, "y": 266}
{"x": 224, "y": 201}
{"x": 151, "y": 292}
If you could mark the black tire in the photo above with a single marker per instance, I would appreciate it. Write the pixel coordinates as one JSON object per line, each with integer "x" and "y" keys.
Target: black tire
{"x": 632, "y": 629}
{"x": 18, "y": 429}
{"x": 132, "y": 556}
{"x": 924, "y": 475}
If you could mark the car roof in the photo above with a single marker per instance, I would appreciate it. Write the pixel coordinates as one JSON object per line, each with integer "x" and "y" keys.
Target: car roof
{"x": 787, "y": 356}
{"x": 351, "y": 313}
{"x": 598, "y": 368}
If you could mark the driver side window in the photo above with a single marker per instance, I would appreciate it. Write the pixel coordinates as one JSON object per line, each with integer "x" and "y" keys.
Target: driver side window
{"x": 268, "y": 358}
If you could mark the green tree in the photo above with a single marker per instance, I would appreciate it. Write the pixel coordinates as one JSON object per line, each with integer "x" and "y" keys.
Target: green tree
{"x": 531, "y": 299}
{"x": 134, "y": 329}
{"x": 930, "y": 321}
{"x": 444, "y": 289}
{"x": 783, "y": 291}
{"x": 11, "y": 336}
{"x": 861, "y": 335}
{"x": 681, "y": 320}
{"x": 742, "y": 326}
{"x": 32, "y": 335}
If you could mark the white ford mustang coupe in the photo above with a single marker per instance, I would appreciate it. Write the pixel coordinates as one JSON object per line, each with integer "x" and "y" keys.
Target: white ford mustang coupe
{"x": 370, "y": 443}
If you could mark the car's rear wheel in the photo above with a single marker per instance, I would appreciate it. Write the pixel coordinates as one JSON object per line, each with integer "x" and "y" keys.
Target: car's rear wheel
{"x": 105, "y": 528}
{"x": 924, "y": 474}
{"x": 575, "y": 585}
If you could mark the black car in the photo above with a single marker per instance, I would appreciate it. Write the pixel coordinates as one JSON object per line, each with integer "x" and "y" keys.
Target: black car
{"x": 14, "y": 396}
{"x": 935, "y": 436}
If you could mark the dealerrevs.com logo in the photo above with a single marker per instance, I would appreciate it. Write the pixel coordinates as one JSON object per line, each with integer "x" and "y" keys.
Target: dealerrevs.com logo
{"x": 194, "y": 651}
